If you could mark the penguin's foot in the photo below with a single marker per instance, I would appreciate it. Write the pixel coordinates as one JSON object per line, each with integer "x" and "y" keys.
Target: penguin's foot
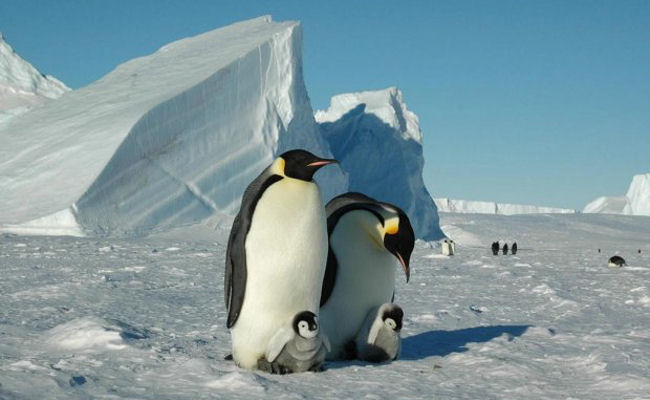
{"x": 350, "y": 350}
{"x": 272, "y": 368}
{"x": 317, "y": 368}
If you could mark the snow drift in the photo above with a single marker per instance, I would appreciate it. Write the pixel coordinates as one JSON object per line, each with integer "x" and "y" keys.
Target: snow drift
{"x": 22, "y": 87}
{"x": 635, "y": 202}
{"x": 164, "y": 140}
{"x": 489, "y": 207}
{"x": 379, "y": 144}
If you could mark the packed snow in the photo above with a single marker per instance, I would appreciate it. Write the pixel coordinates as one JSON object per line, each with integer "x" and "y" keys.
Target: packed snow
{"x": 635, "y": 202}
{"x": 22, "y": 87}
{"x": 378, "y": 141}
{"x": 164, "y": 140}
{"x": 489, "y": 207}
{"x": 144, "y": 318}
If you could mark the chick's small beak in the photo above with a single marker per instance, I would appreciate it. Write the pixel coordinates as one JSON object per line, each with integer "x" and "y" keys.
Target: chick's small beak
{"x": 405, "y": 266}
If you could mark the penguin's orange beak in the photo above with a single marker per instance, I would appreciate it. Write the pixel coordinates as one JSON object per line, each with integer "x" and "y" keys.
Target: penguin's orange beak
{"x": 405, "y": 266}
{"x": 322, "y": 162}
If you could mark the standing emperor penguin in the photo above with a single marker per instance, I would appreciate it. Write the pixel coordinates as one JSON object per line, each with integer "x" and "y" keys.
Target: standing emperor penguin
{"x": 366, "y": 239}
{"x": 276, "y": 256}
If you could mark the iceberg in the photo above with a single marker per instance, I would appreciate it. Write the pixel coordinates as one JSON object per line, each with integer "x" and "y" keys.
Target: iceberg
{"x": 165, "y": 140}
{"x": 23, "y": 87}
{"x": 378, "y": 141}
{"x": 635, "y": 202}
{"x": 489, "y": 207}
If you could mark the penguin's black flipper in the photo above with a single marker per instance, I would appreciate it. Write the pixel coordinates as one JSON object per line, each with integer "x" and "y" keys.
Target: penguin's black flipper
{"x": 235, "y": 275}
{"x": 330, "y": 276}
{"x": 335, "y": 209}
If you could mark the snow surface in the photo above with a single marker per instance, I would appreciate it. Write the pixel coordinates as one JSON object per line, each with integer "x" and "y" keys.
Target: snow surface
{"x": 22, "y": 87}
{"x": 635, "y": 202}
{"x": 144, "y": 318}
{"x": 489, "y": 207}
{"x": 165, "y": 140}
{"x": 379, "y": 144}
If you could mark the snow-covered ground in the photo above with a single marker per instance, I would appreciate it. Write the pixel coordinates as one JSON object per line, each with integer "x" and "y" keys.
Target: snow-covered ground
{"x": 144, "y": 319}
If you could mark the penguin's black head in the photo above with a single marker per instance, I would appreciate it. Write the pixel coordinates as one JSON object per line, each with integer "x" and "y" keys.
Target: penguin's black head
{"x": 394, "y": 313}
{"x": 400, "y": 240}
{"x": 305, "y": 324}
{"x": 301, "y": 164}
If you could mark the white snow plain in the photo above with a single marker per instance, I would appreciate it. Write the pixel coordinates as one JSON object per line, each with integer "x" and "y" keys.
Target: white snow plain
{"x": 490, "y": 207}
{"x": 144, "y": 318}
{"x": 635, "y": 202}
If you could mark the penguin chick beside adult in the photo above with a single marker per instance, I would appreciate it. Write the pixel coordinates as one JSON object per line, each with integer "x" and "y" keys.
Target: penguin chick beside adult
{"x": 379, "y": 338}
{"x": 276, "y": 255}
{"x": 367, "y": 238}
{"x": 299, "y": 347}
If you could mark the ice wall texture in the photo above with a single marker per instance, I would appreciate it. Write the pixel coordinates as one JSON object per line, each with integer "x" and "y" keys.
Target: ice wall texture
{"x": 168, "y": 139}
{"x": 639, "y": 196}
{"x": 22, "y": 86}
{"x": 606, "y": 205}
{"x": 635, "y": 202}
{"x": 379, "y": 144}
{"x": 489, "y": 207}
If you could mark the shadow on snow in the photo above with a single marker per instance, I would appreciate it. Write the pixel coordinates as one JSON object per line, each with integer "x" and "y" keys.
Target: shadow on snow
{"x": 442, "y": 343}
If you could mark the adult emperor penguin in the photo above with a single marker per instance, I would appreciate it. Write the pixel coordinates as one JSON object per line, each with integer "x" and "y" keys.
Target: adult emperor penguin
{"x": 366, "y": 239}
{"x": 298, "y": 347}
{"x": 379, "y": 338}
{"x": 276, "y": 254}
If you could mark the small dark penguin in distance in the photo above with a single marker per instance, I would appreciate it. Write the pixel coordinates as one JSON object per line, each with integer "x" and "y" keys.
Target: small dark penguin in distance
{"x": 616, "y": 262}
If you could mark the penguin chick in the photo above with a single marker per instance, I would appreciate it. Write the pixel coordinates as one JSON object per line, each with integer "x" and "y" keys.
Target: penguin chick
{"x": 298, "y": 348}
{"x": 379, "y": 339}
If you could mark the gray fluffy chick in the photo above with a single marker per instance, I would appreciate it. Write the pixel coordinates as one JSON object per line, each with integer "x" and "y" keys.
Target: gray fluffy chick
{"x": 379, "y": 338}
{"x": 298, "y": 348}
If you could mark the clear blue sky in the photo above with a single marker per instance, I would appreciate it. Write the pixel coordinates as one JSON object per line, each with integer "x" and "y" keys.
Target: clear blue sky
{"x": 536, "y": 102}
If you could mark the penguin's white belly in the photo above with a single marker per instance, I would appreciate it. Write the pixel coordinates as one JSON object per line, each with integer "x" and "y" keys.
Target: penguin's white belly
{"x": 365, "y": 279}
{"x": 286, "y": 252}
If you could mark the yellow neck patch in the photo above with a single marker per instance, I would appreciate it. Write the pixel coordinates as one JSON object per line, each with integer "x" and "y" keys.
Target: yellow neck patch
{"x": 277, "y": 167}
{"x": 391, "y": 226}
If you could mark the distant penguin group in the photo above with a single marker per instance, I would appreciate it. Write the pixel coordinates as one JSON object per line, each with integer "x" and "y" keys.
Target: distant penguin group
{"x": 448, "y": 247}
{"x": 306, "y": 282}
{"x": 496, "y": 248}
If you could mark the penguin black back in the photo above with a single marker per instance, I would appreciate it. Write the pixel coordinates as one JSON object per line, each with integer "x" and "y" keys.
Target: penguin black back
{"x": 617, "y": 261}
{"x": 235, "y": 275}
